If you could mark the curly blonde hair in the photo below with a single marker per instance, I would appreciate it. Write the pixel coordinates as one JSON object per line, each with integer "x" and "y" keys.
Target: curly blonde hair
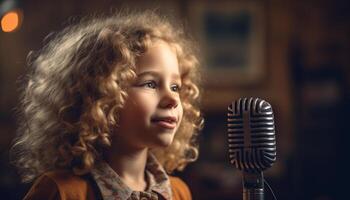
{"x": 78, "y": 85}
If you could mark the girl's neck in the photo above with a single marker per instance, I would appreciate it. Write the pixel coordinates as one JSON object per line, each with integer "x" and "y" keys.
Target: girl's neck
{"x": 130, "y": 166}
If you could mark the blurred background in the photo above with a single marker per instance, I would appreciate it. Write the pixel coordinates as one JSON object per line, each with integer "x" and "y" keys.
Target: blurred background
{"x": 294, "y": 54}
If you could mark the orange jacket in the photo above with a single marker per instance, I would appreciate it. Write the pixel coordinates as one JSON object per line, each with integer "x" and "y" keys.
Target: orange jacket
{"x": 64, "y": 185}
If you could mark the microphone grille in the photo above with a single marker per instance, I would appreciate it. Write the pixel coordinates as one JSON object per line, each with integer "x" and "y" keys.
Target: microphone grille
{"x": 251, "y": 134}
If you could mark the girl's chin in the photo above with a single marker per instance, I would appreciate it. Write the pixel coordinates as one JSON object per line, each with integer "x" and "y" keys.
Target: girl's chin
{"x": 163, "y": 141}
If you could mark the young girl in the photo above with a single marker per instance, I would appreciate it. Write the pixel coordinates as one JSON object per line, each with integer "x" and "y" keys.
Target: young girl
{"x": 110, "y": 109}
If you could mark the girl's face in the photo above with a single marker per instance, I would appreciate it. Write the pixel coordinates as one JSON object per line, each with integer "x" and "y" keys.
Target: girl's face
{"x": 153, "y": 110}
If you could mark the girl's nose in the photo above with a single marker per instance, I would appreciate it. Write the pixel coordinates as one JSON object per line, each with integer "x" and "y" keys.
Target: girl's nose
{"x": 170, "y": 100}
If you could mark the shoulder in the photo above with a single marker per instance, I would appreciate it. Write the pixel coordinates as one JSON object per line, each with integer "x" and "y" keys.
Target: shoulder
{"x": 43, "y": 188}
{"x": 180, "y": 189}
{"x": 59, "y": 184}
{"x": 66, "y": 178}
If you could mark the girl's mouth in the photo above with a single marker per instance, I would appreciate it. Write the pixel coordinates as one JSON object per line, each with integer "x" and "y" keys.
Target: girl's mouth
{"x": 165, "y": 122}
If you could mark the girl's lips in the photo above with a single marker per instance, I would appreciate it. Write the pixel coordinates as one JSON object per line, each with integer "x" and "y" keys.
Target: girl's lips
{"x": 165, "y": 124}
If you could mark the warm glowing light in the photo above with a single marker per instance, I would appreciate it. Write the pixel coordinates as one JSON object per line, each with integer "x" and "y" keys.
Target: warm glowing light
{"x": 10, "y": 21}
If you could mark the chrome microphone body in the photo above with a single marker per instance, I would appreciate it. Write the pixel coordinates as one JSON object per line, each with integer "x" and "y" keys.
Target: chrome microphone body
{"x": 252, "y": 142}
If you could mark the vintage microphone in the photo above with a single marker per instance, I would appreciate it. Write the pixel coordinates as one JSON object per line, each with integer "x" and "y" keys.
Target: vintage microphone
{"x": 252, "y": 142}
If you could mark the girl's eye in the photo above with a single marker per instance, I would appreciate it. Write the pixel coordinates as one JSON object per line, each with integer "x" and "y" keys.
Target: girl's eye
{"x": 150, "y": 84}
{"x": 175, "y": 88}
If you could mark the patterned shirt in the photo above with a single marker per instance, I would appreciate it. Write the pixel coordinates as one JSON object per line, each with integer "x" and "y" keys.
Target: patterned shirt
{"x": 112, "y": 187}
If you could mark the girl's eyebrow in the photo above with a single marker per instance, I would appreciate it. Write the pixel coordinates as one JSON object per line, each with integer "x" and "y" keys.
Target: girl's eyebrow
{"x": 156, "y": 74}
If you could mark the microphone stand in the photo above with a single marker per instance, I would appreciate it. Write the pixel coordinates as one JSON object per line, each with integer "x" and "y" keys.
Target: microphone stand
{"x": 253, "y": 186}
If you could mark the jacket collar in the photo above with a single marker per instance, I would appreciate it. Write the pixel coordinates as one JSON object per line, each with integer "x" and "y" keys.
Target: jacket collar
{"x": 112, "y": 187}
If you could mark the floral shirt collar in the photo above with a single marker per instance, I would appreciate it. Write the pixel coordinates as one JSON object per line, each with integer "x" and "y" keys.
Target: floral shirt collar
{"x": 112, "y": 187}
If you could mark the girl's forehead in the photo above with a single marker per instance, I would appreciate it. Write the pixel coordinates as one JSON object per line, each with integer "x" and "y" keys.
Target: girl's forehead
{"x": 159, "y": 56}
{"x": 160, "y": 42}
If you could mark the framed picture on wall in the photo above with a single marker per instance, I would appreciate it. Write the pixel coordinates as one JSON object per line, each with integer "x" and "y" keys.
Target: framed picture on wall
{"x": 232, "y": 40}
